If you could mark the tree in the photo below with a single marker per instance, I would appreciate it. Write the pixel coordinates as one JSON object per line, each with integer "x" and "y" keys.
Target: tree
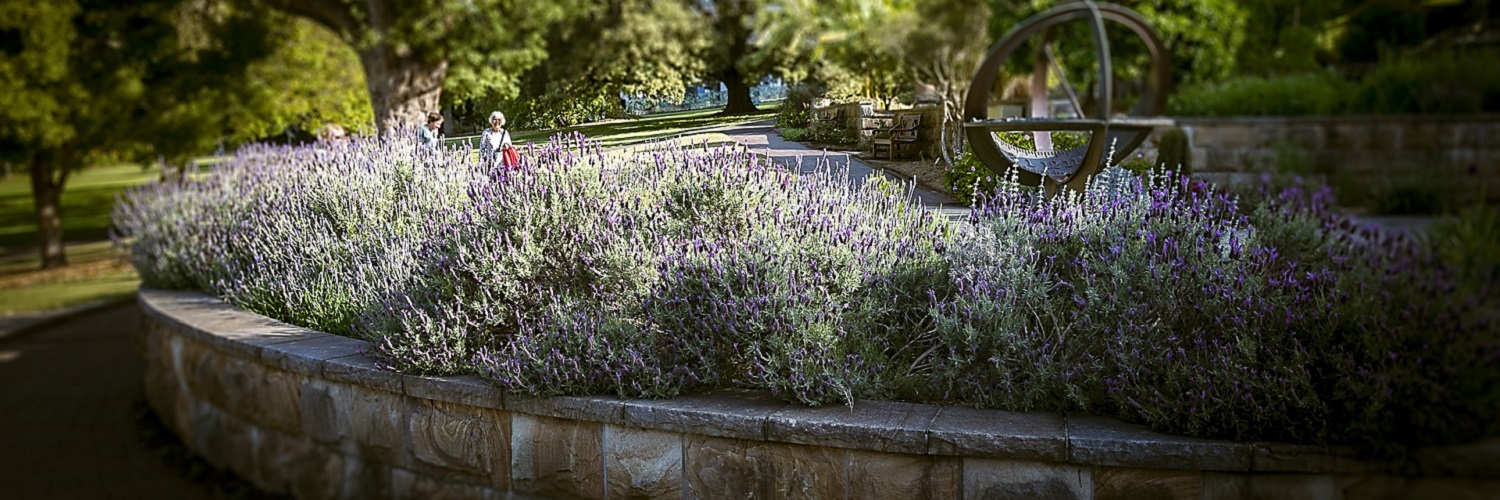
{"x": 311, "y": 79}
{"x": 733, "y": 57}
{"x": 409, "y": 49}
{"x": 941, "y": 42}
{"x": 843, "y": 45}
{"x": 90, "y": 79}
{"x": 607, "y": 48}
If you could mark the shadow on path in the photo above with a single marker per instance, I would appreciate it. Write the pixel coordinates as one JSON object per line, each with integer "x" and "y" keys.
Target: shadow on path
{"x": 72, "y": 416}
{"x": 761, "y": 137}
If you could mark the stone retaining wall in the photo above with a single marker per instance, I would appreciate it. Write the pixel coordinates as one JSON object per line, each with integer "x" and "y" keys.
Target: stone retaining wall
{"x": 1453, "y": 158}
{"x": 302, "y": 412}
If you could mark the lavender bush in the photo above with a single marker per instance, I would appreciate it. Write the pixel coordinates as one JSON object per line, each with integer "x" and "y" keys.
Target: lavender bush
{"x": 647, "y": 274}
{"x": 1164, "y": 303}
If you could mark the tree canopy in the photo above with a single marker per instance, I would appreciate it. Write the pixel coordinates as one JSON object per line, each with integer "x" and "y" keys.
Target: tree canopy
{"x": 90, "y": 79}
{"x": 412, "y": 50}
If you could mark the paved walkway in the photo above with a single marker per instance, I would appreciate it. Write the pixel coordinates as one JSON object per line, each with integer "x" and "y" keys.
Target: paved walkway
{"x": 761, "y": 137}
{"x": 68, "y": 424}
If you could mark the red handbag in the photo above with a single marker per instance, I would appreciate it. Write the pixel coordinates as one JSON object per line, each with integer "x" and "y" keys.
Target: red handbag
{"x": 510, "y": 158}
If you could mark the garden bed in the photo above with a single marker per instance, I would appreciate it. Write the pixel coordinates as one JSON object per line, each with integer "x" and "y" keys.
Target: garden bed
{"x": 1162, "y": 302}
{"x": 306, "y": 413}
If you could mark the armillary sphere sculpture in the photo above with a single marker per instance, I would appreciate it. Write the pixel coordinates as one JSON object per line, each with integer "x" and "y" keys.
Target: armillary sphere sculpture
{"x": 1070, "y": 167}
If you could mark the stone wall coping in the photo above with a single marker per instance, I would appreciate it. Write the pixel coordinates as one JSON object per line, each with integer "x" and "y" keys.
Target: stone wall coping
{"x": 1371, "y": 120}
{"x": 878, "y": 426}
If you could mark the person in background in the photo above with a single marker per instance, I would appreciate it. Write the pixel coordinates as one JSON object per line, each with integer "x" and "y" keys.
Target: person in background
{"x": 494, "y": 141}
{"x": 428, "y": 136}
{"x": 332, "y": 133}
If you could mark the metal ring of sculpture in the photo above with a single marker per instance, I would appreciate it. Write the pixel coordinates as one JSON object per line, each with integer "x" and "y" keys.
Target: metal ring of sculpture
{"x": 1071, "y": 167}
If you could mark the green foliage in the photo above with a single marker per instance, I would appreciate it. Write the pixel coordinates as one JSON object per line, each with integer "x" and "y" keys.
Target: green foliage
{"x": 795, "y": 134}
{"x": 1203, "y": 36}
{"x": 1313, "y": 93}
{"x": 312, "y": 79}
{"x": 600, "y": 50}
{"x": 84, "y": 75}
{"x": 969, "y": 180}
{"x": 833, "y": 132}
{"x": 1435, "y": 82}
{"x": 1448, "y": 81}
{"x": 1381, "y": 25}
{"x": 1174, "y": 153}
{"x": 796, "y": 111}
{"x": 1470, "y": 244}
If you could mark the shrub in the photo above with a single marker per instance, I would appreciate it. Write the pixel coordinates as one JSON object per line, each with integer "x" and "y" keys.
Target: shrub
{"x": 1298, "y": 94}
{"x": 796, "y": 111}
{"x": 1159, "y": 300}
{"x": 969, "y": 180}
{"x": 1174, "y": 153}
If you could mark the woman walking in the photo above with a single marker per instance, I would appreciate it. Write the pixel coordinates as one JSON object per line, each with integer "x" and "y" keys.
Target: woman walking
{"x": 495, "y": 148}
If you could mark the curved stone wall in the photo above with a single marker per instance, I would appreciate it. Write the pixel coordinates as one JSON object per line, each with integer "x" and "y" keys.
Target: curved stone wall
{"x": 303, "y": 412}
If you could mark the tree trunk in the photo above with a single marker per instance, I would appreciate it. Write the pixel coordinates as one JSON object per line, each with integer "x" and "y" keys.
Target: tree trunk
{"x": 403, "y": 87}
{"x": 47, "y": 177}
{"x": 739, "y": 95}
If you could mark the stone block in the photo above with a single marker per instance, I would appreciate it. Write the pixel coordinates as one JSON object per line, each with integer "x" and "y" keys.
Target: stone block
{"x": 467, "y": 390}
{"x": 1348, "y": 135}
{"x": 557, "y": 457}
{"x": 988, "y": 479}
{"x": 602, "y": 409}
{"x": 306, "y": 355}
{"x": 262, "y": 395}
{"x": 1112, "y": 483}
{"x": 1478, "y": 460}
{"x": 1226, "y": 135}
{"x": 1306, "y": 136}
{"x": 223, "y": 440}
{"x": 1283, "y": 457}
{"x": 221, "y": 325}
{"x": 1110, "y": 442}
{"x": 999, "y": 434}
{"x": 1420, "y": 135}
{"x": 1474, "y": 135}
{"x": 890, "y": 475}
{"x": 460, "y": 442}
{"x": 1435, "y": 488}
{"x": 295, "y": 465}
{"x": 1223, "y": 160}
{"x": 640, "y": 463}
{"x": 869, "y": 425}
{"x": 739, "y": 414}
{"x": 408, "y": 484}
{"x": 366, "y": 479}
{"x": 361, "y": 370}
{"x": 1225, "y": 485}
{"x": 1386, "y": 136}
{"x": 355, "y": 419}
{"x": 736, "y": 468}
{"x": 201, "y": 369}
{"x": 1291, "y": 487}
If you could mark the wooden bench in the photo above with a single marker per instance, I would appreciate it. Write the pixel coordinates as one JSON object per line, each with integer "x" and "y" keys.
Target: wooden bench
{"x": 902, "y": 136}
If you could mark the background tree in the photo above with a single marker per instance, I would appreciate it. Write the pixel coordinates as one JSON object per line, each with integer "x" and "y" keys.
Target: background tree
{"x": 733, "y": 55}
{"x": 84, "y": 80}
{"x": 605, "y": 49}
{"x": 941, "y": 42}
{"x": 312, "y": 78}
{"x": 411, "y": 50}
{"x": 838, "y": 45}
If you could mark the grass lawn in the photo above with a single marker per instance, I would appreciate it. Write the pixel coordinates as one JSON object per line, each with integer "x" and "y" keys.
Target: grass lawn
{"x": 95, "y": 271}
{"x": 622, "y": 132}
{"x": 87, "y": 201}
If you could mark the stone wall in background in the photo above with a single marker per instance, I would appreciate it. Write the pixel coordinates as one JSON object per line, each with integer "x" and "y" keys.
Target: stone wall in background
{"x": 1448, "y": 156}
{"x": 305, "y": 413}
